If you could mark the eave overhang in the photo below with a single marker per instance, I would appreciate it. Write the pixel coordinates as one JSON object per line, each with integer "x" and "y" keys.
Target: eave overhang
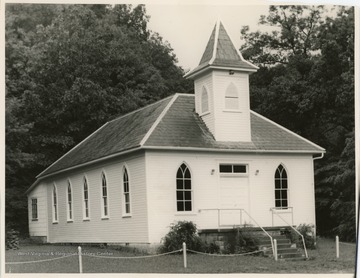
{"x": 170, "y": 148}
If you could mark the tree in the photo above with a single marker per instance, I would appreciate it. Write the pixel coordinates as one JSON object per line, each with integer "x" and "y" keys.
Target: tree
{"x": 295, "y": 33}
{"x": 69, "y": 69}
{"x": 306, "y": 83}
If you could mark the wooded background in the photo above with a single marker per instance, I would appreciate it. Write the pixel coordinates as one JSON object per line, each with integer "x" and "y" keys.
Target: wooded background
{"x": 71, "y": 68}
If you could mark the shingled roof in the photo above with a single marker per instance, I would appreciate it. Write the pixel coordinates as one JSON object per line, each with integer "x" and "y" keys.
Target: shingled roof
{"x": 119, "y": 135}
{"x": 173, "y": 124}
{"x": 220, "y": 52}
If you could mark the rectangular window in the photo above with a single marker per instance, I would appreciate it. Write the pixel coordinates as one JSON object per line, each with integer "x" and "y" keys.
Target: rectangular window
{"x": 233, "y": 168}
{"x": 34, "y": 209}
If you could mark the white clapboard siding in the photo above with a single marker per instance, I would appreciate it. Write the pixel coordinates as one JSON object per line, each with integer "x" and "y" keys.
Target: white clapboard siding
{"x": 116, "y": 228}
{"x": 301, "y": 189}
{"x": 38, "y": 227}
{"x": 225, "y": 125}
{"x": 231, "y": 126}
{"x": 206, "y": 187}
{"x": 208, "y": 118}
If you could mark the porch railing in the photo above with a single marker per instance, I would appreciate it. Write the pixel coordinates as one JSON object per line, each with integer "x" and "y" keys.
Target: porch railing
{"x": 241, "y": 221}
{"x": 288, "y": 210}
{"x": 274, "y": 211}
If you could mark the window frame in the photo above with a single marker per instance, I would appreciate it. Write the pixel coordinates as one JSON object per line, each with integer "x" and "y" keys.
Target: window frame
{"x": 86, "y": 202}
{"x": 34, "y": 212}
{"x": 125, "y": 193}
{"x": 281, "y": 189}
{"x": 228, "y": 96}
{"x": 104, "y": 199}
{"x": 69, "y": 203}
{"x": 233, "y": 173}
{"x": 191, "y": 190}
{"x": 55, "y": 205}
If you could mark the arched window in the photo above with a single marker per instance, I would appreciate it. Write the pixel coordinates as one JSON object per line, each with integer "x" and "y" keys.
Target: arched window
{"x": 104, "y": 193}
{"x": 55, "y": 205}
{"x": 69, "y": 203}
{"x": 204, "y": 101}
{"x": 231, "y": 97}
{"x": 86, "y": 214}
{"x": 126, "y": 192}
{"x": 183, "y": 189}
{"x": 281, "y": 188}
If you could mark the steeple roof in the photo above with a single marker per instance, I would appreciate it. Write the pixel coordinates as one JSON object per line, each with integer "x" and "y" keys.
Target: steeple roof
{"x": 220, "y": 52}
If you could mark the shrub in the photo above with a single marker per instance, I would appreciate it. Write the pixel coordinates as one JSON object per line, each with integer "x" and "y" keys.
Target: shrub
{"x": 182, "y": 231}
{"x": 307, "y": 231}
{"x": 240, "y": 241}
{"x": 210, "y": 247}
{"x": 12, "y": 239}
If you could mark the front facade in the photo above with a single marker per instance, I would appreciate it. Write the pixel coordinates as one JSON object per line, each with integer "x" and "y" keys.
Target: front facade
{"x": 205, "y": 158}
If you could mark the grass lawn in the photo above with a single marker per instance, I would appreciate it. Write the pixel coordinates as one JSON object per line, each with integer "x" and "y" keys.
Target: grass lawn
{"x": 322, "y": 260}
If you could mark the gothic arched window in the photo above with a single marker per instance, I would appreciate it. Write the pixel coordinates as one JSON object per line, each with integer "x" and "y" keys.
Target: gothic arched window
{"x": 183, "y": 189}
{"x": 204, "y": 101}
{"x": 69, "y": 202}
{"x": 126, "y": 191}
{"x": 281, "y": 188}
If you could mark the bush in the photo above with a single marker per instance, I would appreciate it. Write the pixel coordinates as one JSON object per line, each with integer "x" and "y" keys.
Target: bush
{"x": 12, "y": 239}
{"x": 308, "y": 233}
{"x": 210, "y": 247}
{"x": 182, "y": 231}
{"x": 240, "y": 241}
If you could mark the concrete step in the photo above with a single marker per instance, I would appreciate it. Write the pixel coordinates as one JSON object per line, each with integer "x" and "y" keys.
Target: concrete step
{"x": 290, "y": 255}
{"x": 278, "y": 241}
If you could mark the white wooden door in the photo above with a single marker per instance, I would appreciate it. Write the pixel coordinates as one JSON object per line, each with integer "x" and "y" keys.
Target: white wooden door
{"x": 234, "y": 195}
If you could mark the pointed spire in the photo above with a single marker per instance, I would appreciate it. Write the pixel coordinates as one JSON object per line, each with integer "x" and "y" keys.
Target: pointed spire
{"x": 220, "y": 52}
{"x": 208, "y": 53}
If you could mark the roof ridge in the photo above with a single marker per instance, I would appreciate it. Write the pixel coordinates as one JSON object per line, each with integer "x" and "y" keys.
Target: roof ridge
{"x": 157, "y": 121}
{"x": 217, "y": 29}
{"x": 287, "y": 130}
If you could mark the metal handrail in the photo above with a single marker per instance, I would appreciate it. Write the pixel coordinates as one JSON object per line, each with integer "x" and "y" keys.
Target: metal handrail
{"x": 302, "y": 237}
{"x": 242, "y": 210}
{"x": 283, "y": 211}
{"x": 271, "y": 239}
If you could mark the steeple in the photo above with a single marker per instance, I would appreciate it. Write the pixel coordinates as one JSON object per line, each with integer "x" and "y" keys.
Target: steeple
{"x": 220, "y": 52}
{"x": 222, "y": 88}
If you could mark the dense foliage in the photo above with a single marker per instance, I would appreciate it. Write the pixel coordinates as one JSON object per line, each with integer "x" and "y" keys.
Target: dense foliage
{"x": 180, "y": 232}
{"x": 69, "y": 69}
{"x": 307, "y": 231}
{"x": 239, "y": 241}
{"x": 306, "y": 83}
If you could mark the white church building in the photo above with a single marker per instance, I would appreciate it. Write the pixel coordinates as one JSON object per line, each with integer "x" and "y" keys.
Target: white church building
{"x": 203, "y": 157}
